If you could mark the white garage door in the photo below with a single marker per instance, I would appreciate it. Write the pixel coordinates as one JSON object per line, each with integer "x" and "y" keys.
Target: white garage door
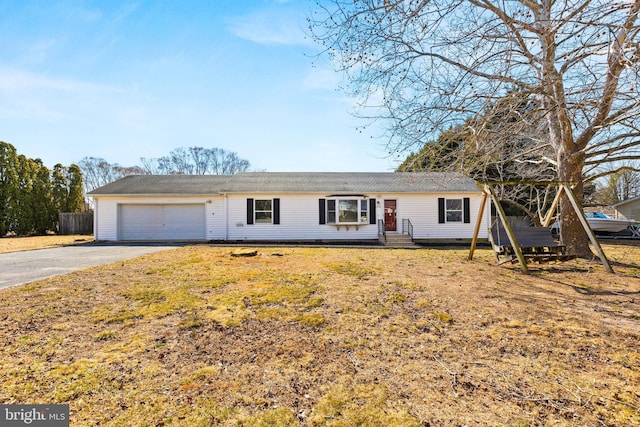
{"x": 161, "y": 222}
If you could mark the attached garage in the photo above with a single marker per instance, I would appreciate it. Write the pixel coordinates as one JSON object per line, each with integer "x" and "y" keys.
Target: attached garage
{"x": 161, "y": 222}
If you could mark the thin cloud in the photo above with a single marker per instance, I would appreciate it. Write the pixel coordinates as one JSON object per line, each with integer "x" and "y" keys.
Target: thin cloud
{"x": 272, "y": 27}
{"x": 36, "y": 110}
{"x": 40, "y": 51}
{"x": 17, "y": 80}
{"x": 44, "y": 99}
{"x": 12, "y": 80}
{"x": 323, "y": 78}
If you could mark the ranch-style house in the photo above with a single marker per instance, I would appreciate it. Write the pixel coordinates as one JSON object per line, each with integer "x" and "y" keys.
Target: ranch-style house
{"x": 288, "y": 207}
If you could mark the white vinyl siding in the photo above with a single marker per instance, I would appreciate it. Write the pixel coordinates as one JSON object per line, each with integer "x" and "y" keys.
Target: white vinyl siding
{"x": 224, "y": 217}
{"x": 216, "y": 219}
{"x": 298, "y": 221}
{"x": 629, "y": 210}
{"x": 105, "y": 219}
{"x": 422, "y": 211}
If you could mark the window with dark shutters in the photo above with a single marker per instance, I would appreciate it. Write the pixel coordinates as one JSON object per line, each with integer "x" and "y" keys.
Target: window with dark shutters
{"x": 263, "y": 211}
{"x": 454, "y": 210}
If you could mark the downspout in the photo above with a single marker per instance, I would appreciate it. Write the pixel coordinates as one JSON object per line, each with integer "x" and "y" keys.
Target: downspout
{"x": 226, "y": 217}
{"x": 95, "y": 220}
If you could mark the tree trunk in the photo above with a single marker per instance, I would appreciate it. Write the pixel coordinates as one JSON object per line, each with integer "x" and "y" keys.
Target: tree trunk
{"x": 573, "y": 234}
{"x": 570, "y": 159}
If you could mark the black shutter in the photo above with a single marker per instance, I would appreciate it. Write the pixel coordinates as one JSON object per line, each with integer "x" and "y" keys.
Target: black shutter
{"x": 249, "y": 211}
{"x": 372, "y": 211}
{"x": 276, "y": 211}
{"x": 441, "y": 214}
{"x": 466, "y": 210}
{"x": 322, "y": 210}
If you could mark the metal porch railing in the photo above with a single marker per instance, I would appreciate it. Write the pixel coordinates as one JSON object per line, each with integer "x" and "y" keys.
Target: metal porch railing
{"x": 382, "y": 233}
{"x": 407, "y": 227}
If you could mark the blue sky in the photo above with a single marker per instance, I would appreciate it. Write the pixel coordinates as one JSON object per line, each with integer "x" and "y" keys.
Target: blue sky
{"x": 123, "y": 80}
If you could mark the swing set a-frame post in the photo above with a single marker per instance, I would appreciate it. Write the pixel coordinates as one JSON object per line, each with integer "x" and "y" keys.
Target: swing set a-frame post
{"x": 563, "y": 187}
{"x": 587, "y": 228}
{"x": 507, "y": 228}
{"x": 476, "y": 232}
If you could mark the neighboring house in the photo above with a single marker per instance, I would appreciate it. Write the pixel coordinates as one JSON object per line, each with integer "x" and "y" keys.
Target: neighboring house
{"x": 629, "y": 208}
{"x": 269, "y": 206}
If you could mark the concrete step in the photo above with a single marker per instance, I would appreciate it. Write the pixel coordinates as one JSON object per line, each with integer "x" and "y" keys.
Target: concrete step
{"x": 399, "y": 241}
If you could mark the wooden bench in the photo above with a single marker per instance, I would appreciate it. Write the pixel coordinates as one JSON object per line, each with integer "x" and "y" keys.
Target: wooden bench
{"x": 537, "y": 244}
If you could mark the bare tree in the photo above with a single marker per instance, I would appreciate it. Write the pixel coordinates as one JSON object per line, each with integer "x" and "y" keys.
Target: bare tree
{"x": 196, "y": 160}
{"x": 232, "y": 164}
{"x": 616, "y": 187}
{"x": 215, "y": 162}
{"x": 150, "y": 166}
{"x": 424, "y": 66}
{"x": 97, "y": 172}
{"x": 200, "y": 158}
{"x": 182, "y": 161}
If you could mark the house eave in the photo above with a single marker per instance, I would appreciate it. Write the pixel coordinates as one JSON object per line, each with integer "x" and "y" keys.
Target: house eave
{"x": 624, "y": 202}
{"x": 328, "y": 193}
{"x": 152, "y": 194}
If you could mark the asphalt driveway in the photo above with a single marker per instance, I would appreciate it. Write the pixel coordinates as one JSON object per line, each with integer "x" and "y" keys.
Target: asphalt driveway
{"x": 17, "y": 268}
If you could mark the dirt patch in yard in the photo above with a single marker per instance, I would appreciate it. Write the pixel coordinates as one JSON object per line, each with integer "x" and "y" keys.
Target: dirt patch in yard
{"x": 329, "y": 337}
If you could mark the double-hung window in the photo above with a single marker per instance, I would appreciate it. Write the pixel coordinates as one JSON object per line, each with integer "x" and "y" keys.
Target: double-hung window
{"x": 364, "y": 211}
{"x": 263, "y": 211}
{"x": 453, "y": 210}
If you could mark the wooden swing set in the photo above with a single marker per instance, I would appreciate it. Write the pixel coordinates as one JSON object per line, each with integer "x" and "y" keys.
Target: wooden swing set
{"x": 530, "y": 244}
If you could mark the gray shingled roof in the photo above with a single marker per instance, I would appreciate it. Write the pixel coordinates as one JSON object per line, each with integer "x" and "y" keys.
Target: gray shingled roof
{"x": 290, "y": 182}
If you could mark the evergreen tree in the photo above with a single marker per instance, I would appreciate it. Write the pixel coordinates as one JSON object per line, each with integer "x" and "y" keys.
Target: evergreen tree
{"x": 8, "y": 186}
{"x": 42, "y": 206}
{"x": 31, "y": 195}
{"x": 75, "y": 200}
{"x": 24, "y": 223}
{"x": 59, "y": 188}
{"x": 67, "y": 188}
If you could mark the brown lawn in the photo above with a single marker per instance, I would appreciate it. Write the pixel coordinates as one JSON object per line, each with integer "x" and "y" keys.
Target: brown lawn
{"x": 16, "y": 244}
{"x": 329, "y": 337}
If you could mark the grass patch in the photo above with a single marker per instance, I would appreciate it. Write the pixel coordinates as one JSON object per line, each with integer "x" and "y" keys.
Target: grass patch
{"x": 360, "y": 269}
{"x": 361, "y": 405}
{"x": 442, "y": 317}
{"x": 328, "y": 337}
{"x": 105, "y": 336}
{"x": 75, "y": 379}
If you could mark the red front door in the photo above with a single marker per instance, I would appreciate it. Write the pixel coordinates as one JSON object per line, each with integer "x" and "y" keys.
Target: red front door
{"x": 390, "y": 215}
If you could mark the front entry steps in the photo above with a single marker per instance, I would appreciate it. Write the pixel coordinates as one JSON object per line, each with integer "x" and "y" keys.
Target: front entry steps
{"x": 400, "y": 241}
